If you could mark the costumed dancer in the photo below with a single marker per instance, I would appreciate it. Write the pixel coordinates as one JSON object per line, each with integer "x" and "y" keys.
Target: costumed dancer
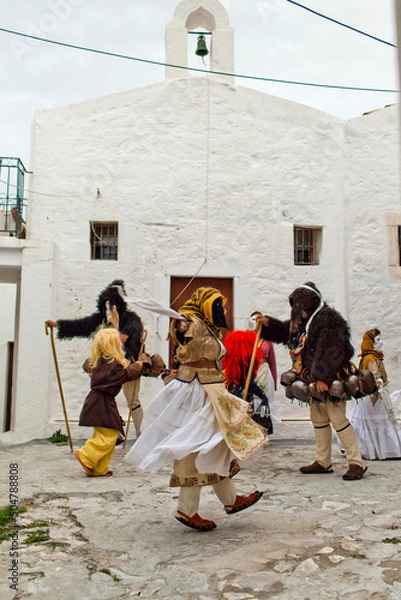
{"x": 109, "y": 370}
{"x": 373, "y": 418}
{"x": 319, "y": 341}
{"x": 236, "y": 363}
{"x": 193, "y": 423}
{"x": 266, "y": 376}
{"x": 130, "y": 327}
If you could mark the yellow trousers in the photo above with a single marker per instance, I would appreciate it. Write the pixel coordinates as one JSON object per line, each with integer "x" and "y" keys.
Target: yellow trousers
{"x": 98, "y": 450}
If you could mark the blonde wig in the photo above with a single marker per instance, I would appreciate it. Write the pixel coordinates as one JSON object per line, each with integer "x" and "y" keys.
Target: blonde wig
{"x": 107, "y": 344}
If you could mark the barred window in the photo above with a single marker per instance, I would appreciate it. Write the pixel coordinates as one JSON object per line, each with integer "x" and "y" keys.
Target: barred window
{"x": 104, "y": 240}
{"x": 307, "y": 245}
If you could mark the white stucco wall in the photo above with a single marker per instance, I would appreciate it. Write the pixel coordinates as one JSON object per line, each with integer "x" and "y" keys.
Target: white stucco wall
{"x": 30, "y": 264}
{"x": 373, "y": 210}
{"x": 192, "y": 170}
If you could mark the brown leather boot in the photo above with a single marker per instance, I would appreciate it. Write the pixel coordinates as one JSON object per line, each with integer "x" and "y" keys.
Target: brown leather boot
{"x": 195, "y": 522}
{"x": 315, "y": 467}
{"x": 243, "y": 502}
{"x": 354, "y": 473}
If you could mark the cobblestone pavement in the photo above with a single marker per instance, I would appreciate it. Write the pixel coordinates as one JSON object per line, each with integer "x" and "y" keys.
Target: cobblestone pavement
{"x": 309, "y": 538}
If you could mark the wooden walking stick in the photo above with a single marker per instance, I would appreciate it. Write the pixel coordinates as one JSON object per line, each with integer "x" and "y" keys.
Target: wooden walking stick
{"x": 251, "y": 364}
{"x": 136, "y": 387}
{"x": 60, "y": 387}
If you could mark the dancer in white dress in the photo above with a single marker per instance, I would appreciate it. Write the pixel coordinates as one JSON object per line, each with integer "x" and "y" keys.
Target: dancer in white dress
{"x": 373, "y": 418}
{"x": 194, "y": 424}
{"x": 266, "y": 376}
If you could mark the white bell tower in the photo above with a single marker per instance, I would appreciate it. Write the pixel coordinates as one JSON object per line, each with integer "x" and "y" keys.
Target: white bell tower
{"x": 211, "y": 16}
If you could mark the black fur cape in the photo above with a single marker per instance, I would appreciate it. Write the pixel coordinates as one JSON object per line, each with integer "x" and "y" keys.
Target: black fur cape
{"x": 327, "y": 349}
{"x": 130, "y": 323}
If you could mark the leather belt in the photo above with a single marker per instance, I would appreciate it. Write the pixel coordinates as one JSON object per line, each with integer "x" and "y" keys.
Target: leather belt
{"x": 200, "y": 364}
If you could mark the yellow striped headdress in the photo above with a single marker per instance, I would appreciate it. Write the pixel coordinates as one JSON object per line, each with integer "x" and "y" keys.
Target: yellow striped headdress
{"x": 368, "y": 352}
{"x": 200, "y": 305}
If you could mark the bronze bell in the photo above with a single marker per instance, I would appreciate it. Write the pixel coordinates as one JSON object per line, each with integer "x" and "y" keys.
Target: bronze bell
{"x": 300, "y": 390}
{"x": 288, "y": 377}
{"x": 337, "y": 390}
{"x": 201, "y": 48}
{"x": 368, "y": 382}
{"x": 353, "y": 386}
{"x": 288, "y": 392}
{"x": 316, "y": 395}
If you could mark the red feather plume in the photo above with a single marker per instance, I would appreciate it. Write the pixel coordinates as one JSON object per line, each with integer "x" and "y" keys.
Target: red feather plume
{"x": 239, "y": 346}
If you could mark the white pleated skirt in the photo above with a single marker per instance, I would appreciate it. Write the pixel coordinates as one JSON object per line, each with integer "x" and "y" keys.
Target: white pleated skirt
{"x": 378, "y": 439}
{"x": 179, "y": 421}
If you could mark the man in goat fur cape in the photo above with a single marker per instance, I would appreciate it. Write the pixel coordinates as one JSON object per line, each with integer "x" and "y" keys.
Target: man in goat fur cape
{"x": 319, "y": 341}
{"x": 130, "y": 328}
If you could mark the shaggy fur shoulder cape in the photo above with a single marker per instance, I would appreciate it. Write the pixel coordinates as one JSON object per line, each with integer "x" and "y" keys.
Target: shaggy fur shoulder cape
{"x": 130, "y": 323}
{"x": 328, "y": 347}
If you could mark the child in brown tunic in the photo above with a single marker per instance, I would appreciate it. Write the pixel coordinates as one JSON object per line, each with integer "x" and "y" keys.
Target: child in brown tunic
{"x": 109, "y": 370}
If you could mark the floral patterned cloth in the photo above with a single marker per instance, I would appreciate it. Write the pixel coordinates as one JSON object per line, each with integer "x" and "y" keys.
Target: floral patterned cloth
{"x": 241, "y": 434}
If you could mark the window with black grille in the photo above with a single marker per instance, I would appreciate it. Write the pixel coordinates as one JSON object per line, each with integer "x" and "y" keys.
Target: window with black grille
{"x": 307, "y": 245}
{"x": 104, "y": 240}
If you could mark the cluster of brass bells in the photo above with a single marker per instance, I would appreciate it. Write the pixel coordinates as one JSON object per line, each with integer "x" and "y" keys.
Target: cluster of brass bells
{"x": 359, "y": 384}
{"x": 201, "y": 48}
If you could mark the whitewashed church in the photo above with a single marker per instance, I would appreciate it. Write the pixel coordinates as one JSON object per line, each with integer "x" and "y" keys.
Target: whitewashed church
{"x": 195, "y": 179}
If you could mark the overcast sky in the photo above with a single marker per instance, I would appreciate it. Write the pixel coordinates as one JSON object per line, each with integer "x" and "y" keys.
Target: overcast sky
{"x": 273, "y": 39}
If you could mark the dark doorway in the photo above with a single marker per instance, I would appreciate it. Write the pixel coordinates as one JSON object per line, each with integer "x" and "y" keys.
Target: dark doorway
{"x": 10, "y": 361}
{"x": 9, "y": 299}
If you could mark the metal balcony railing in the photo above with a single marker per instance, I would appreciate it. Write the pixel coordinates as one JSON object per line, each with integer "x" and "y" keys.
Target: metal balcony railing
{"x": 13, "y": 204}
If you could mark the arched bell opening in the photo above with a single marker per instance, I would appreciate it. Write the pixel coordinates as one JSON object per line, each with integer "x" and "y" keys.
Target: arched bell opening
{"x": 192, "y": 17}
